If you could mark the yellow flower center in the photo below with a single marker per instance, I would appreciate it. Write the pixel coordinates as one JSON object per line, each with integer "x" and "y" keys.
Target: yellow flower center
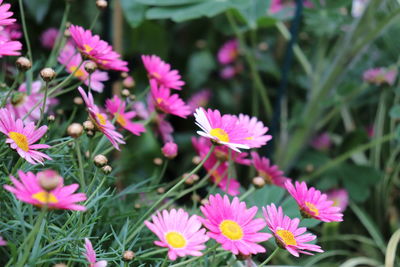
{"x": 312, "y": 208}
{"x": 78, "y": 73}
{"x": 220, "y": 134}
{"x": 287, "y": 237}
{"x": 20, "y": 139}
{"x": 249, "y": 138}
{"x": 121, "y": 120}
{"x": 101, "y": 119}
{"x": 336, "y": 202}
{"x": 155, "y": 75}
{"x": 231, "y": 230}
{"x": 267, "y": 178}
{"x": 159, "y": 100}
{"x": 175, "y": 239}
{"x": 45, "y": 197}
{"x": 88, "y": 48}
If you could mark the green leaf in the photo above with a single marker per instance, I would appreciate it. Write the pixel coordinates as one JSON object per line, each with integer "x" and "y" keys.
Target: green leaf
{"x": 391, "y": 249}
{"x": 38, "y": 8}
{"x": 167, "y": 2}
{"x": 265, "y": 196}
{"x": 395, "y": 112}
{"x": 201, "y": 64}
{"x": 134, "y": 12}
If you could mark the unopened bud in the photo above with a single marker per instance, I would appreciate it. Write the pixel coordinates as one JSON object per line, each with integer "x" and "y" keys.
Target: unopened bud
{"x": 189, "y": 180}
{"x": 101, "y": 4}
{"x": 157, "y": 161}
{"x": 125, "y": 93}
{"x": 47, "y": 74}
{"x": 161, "y": 190}
{"x": 67, "y": 33}
{"x": 204, "y": 201}
{"x": 60, "y": 265}
{"x": 128, "y": 82}
{"x": 309, "y": 168}
{"x": 23, "y": 64}
{"x": 124, "y": 74}
{"x": 106, "y": 169}
{"x": 137, "y": 206}
{"x": 87, "y": 154}
{"x": 51, "y": 118}
{"x": 90, "y": 67}
{"x": 128, "y": 255}
{"x": 88, "y": 126}
{"x": 78, "y": 100}
{"x": 170, "y": 150}
{"x": 75, "y": 130}
{"x": 258, "y": 181}
{"x": 196, "y": 198}
{"x": 48, "y": 179}
{"x": 132, "y": 97}
{"x": 196, "y": 160}
{"x": 100, "y": 160}
{"x": 263, "y": 46}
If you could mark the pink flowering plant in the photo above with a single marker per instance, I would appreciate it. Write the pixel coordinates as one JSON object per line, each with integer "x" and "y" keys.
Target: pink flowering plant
{"x": 199, "y": 133}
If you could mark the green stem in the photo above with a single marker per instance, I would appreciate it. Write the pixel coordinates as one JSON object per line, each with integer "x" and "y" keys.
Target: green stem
{"x": 270, "y": 257}
{"x": 139, "y": 224}
{"x": 46, "y": 88}
{"x": 80, "y": 163}
{"x": 96, "y": 17}
{"x": 151, "y": 253}
{"x": 247, "y": 193}
{"x": 183, "y": 263}
{"x": 165, "y": 261}
{"x": 11, "y": 89}
{"x": 379, "y": 128}
{"x": 24, "y": 29}
{"x": 162, "y": 172}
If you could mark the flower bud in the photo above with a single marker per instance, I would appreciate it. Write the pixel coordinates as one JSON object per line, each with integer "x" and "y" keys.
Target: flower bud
{"x": 90, "y": 67}
{"x": 125, "y": 93}
{"x": 137, "y": 206}
{"x": 309, "y": 168}
{"x": 49, "y": 179}
{"x": 190, "y": 180}
{"x": 67, "y": 33}
{"x": 128, "y": 255}
{"x": 78, "y": 100}
{"x": 204, "y": 201}
{"x": 106, "y": 169}
{"x": 60, "y": 265}
{"x": 51, "y": 118}
{"x": 23, "y": 64}
{"x": 124, "y": 74}
{"x": 128, "y": 82}
{"x": 161, "y": 190}
{"x": 170, "y": 150}
{"x": 100, "y": 160}
{"x": 196, "y": 160}
{"x": 75, "y": 130}
{"x": 157, "y": 161}
{"x": 17, "y": 98}
{"x": 88, "y": 126}
{"x": 101, "y": 4}
{"x": 132, "y": 97}
{"x": 47, "y": 74}
{"x": 258, "y": 181}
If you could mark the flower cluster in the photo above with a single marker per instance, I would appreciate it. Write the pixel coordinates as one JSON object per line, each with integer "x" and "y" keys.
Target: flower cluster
{"x": 9, "y": 32}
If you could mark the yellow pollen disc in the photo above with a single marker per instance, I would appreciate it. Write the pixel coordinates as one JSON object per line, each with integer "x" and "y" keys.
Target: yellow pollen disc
{"x": 121, "y": 120}
{"x": 287, "y": 237}
{"x": 336, "y": 202}
{"x": 20, "y": 139}
{"x": 217, "y": 177}
{"x": 220, "y": 134}
{"x": 312, "y": 208}
{"x": 87, "y": 48}
{"x": 79, "y": 73}
{"x": 175, "y": 239}
{"x": 159, "y": 100}
{"x": 101, "y": 118}
{"x": 155, "y": 75}
{"x": 45, "y": 197}
{"x": 231, "y": 230}
{"x": 249, "y": 138}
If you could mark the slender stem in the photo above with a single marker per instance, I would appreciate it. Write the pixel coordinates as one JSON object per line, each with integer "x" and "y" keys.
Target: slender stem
{"x": 151, "y": 253}
{"x": 247, "y": 193}
{"x": 183, "y": 263}
{"x": 162, "y": 172}
{"x": 379, "y": 128}
{"x": 11, "y": 89}
{"x": 96, "y": 17}
{"x": 46, "y": 88}
{"x": 165, "y": 261}
{"x": 139, "y": 224}
{"x": 24, "y": 29}
{"x": 80, "y": 162}
{"x": 270, "y": 257}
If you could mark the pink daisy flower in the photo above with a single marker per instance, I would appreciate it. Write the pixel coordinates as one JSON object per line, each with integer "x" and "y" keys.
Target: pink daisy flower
{"x": 167, "y": 103}
{"x": 100, "y": 120}
{"x": 270, "y": 173}
{"x": 11, "y": 32}
{"x": 23, "y": 138}
{"x": 2, "y": 241}
{"x": 71, "y": 60}
{"x": 117, "y": 108}
{"x": 28, "y": 190}
{"x": 21, "y": 103}
{"x": 170, "y": 150}
{"x": 287, "y": 233}
{"x": 340, "y": 198}
{"x": 49, "y": 37}
{"x": 92, "y": 47}
{"x": 228, "y": 52}
{"x": 313, "y": 204}
{"x": 178, "y": 232}
{"x": 91, "y": 255}
{"x": 228, "y": 72}
{"x": 164, "y": 128}
{"x": 161, "y": 72}
{"x": 321, "y": 142}
{"x": 275, "y": 6}
{"x": 380, "y": 76}
{"x": 5, "y": 14}
{"x": 224, "y": 130}
{"x": 256, "y": 136}
{"x": 232, "y": 225}
{"x": 9, "y": 48}
{"x": 199, "y": 99}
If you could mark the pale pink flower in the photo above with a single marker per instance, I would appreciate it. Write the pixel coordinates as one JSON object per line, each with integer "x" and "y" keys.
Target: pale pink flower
{"x": 161, "y": 72}
{"x": 271, "y": 173}
{"x": 90, "y": 255}
{"x": 275, "y": 6}
{"x": 199, "y": 99}
{"x": 233, "y": 225}
{"x": 313, "y": 204}
{"x": 256, "y": 131}
{"x": 117, "y": 107}
{"x": 227, "y": 72}
{"x": 2, "y": 241}
{"x": 321, "y": 141}
{"x": 5, "y": 14}
{"x": 100, "y": 120}
{"x": 380, "y": 76}
{"x": 49, "y": 37}
{"x": 178, "y": 232}
{"x": 23, "y": 138}
{"x": 11, "y": 32}
{"x": 228, "y": 52}
{"x": 28, "y": 190}
{"x": 170, "y": 150}
{"x": 287, "y": 233}
{"x": 340, "y": 198}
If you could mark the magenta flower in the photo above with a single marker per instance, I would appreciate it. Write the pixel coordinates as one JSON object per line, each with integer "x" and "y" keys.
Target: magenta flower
{"x": 232, "y": 225}
{"x": 71, "y": 60}
{"x": 167, "y": 103}
{"x": 178, "y": 232}
{"x": 23, "y": 138}
{"x": 340, "y": 198}
{"x": 164, "y": 128}
{"x": 313, "y": 204}
{"x": 11, "y": 32}
{"x": 170, "y": 150}
{"x": 21, "y": 103}
{"x": 228, "y": 72}
{"x": 161, "y": 72}
{"x": 5, "y": 14}
{"x": 48, "y": 37}
{"x": 2, "y": 241}
{"x": 9, "y": 48}
{"x": 100, "y": 120}
{"x": 321, "y": 142}
{"x": 275, "y": 6}
{"x": 117, "y": 108}
{"x": 92, "y": 47}
{"x": 287, "y": 233}
{"x": 270, "y": 173}
{"x": 255, "y": 136}
{"x": 380, "y": 76}
{"x": 224, "y": 130}
{"x": 199, "y": 99}
{"x": 28, "y": 190}
{"x": 91, "y": 255}
{"x": 228, "y": 52}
